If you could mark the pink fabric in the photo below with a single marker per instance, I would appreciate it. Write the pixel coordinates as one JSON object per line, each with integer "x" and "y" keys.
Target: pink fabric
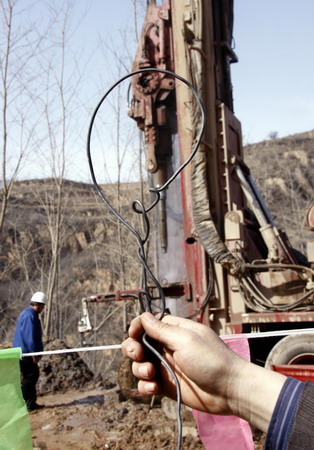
{"x": 226, "y": 432}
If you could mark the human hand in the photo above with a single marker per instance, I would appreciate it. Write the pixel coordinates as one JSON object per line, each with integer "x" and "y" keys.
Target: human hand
{"x": 206, "y": 368}
{"x": 36, "y": 359}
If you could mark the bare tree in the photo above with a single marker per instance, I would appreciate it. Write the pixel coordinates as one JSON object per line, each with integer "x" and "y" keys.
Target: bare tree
{"x": 53, "y": 132}
{"x": 20, "y": 45}
{"x": 60, "y": 118}
{"x": 273, "y": 135}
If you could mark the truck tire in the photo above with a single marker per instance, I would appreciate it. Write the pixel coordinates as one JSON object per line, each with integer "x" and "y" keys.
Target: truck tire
{"x": 294, "y": 349}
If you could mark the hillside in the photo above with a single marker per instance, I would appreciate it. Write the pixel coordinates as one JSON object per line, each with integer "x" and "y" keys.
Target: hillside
{"x": 95, "y": 249}
{"x": 283, "y": 171}
{"x": 83, "y": 406}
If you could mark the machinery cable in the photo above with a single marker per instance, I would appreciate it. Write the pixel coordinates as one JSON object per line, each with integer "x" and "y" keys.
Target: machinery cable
{"x": 256, "y": 300}
{"x": 208, "y": 294}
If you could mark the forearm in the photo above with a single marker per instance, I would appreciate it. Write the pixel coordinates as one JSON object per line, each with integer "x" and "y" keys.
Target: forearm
{"x": 254, "y": 392}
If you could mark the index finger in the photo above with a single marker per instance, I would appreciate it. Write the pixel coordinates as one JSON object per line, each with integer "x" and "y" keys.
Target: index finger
{"x": 133, "y": 349}
{"x": 137, "y": 330}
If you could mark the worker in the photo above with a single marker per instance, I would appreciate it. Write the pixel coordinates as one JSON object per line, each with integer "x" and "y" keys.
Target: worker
{"x": 215, "y": 380}
{"x": 28, "y": 336}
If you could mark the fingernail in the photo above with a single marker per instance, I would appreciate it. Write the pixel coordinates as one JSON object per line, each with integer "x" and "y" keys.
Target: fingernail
{"x": 150, "y": 388}
{"x": 143, "y": 371}
{"x": 130, "y": 350}
{"x": 150, "y": 317}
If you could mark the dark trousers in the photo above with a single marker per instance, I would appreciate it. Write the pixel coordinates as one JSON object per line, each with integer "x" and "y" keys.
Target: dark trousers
{"x": 30, "y": 375}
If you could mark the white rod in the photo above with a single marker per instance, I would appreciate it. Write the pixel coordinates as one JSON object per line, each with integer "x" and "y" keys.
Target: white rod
{"x": 267, "y": 334}
{"x": 70, "y": 350}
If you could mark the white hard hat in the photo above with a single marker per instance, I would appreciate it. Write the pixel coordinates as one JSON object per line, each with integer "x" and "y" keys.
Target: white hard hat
{"x": 39, "y": 297}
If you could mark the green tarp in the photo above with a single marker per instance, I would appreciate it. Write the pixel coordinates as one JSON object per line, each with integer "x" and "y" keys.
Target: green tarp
{"x": 15, "y": 432}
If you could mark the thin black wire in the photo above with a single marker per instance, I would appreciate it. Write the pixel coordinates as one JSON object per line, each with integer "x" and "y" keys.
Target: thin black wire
{"x": 207, "y": 295}
{"x": 178, "y": 389}
{"x": 139, "y": 208}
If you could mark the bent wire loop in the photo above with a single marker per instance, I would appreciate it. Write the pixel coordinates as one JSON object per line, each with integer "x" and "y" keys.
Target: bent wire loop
{"x": 139, "y": 208}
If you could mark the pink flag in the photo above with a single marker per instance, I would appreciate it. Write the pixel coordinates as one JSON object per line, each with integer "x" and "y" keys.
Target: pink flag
{"x": 226, "y": 432}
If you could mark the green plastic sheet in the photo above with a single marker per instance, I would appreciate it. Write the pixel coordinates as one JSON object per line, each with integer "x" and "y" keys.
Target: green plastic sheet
{"x": 15, "y": 431}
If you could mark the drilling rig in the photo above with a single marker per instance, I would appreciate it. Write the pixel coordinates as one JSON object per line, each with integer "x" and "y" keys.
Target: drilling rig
{"x": 221, "y": 259}
{"x": 217, "y": 239}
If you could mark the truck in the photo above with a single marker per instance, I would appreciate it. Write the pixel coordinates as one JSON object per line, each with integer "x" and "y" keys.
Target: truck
{"x": 220, "y": 257}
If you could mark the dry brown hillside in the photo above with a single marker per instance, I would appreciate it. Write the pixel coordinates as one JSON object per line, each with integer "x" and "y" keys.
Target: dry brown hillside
{"x": 283, "y": 171}
{"x": 94, "y": 250}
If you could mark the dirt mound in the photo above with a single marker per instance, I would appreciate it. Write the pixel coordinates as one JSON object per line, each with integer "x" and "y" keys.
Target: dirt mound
{"x": 62, "y": 372}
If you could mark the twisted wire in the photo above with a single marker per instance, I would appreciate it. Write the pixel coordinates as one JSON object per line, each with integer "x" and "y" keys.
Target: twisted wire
{"x": 139, "y": 208}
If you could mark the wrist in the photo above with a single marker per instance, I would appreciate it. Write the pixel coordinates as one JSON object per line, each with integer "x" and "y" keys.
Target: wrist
{"x": 253, "y": 392}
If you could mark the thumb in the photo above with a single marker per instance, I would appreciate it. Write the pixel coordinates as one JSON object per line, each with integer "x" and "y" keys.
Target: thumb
{"x": 167, "y": 334}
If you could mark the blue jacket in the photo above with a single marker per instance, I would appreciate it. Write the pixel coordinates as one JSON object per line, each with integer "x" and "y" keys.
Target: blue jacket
{"x": 28, "y": 332}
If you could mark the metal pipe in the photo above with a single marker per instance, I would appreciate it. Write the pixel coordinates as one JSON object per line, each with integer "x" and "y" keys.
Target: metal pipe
{"x": 261, "y": 201}
{"x": 251, "y": 198}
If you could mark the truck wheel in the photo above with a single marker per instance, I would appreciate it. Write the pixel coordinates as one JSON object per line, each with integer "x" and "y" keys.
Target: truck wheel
{"x": 294, "y": 349}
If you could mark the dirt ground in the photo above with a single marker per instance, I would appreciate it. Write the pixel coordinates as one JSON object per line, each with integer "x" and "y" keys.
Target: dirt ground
{"x": 83, "y": 413}
{"x": 98, "y": 420}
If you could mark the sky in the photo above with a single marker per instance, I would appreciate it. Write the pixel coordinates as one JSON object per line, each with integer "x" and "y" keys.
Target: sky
{"x": 272, "y": 82}
{"x": 273, "y": 85}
